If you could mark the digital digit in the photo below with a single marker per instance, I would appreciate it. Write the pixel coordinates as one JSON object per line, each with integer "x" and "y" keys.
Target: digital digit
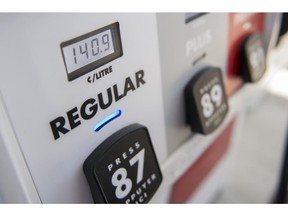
{"x": 95, "y": 43}
{"x": 261, "y": 53}
{"x": 105, "y": 40}
{"x": 140, "y": 158}
{"x": 207, "y": 105}
{"x": 121, "y": 182}
{"x": 74, "y": 53}
{"x": 260, "y": 56}
{"x": 256, "y": 57}
{"x": 253, "y": 59}
{"x": 216, "y": 94}
{"x": 85, "y": 51}
{"x": 119, "y": 178}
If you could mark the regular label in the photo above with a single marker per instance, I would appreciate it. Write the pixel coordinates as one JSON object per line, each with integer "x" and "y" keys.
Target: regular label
{"x": 206, "y": 102}
{"x": 125, "y": 167}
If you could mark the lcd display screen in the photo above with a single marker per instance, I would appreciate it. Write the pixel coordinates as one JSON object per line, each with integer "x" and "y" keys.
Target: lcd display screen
{"x": 92, "y": 50}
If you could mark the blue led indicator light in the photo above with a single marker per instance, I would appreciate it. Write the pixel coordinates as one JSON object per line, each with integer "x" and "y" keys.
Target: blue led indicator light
{"x": 108, "y": 119}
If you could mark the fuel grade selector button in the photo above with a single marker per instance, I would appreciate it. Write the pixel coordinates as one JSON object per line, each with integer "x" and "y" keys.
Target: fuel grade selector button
{"x": 206, "y": 101}
{"x": 124, "y": 168}
{"x": 252, "y": 58}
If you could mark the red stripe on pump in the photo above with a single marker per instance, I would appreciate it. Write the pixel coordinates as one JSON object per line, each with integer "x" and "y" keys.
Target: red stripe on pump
{"x": 193, "y": 177}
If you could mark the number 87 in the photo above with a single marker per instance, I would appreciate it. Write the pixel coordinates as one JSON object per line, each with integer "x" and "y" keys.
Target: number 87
{"x": 214, "y": 96}
{"x": 120, "y": 180}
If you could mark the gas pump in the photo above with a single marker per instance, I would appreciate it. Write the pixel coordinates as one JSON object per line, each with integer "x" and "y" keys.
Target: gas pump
{"x": 124, "y": 108}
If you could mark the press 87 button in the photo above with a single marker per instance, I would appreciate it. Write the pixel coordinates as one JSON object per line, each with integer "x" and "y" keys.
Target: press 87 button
{"x": 124, "y": 168}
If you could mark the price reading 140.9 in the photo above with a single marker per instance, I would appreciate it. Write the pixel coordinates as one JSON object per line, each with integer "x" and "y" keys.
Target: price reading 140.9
{"x": 92, "y": 50}
{"x": 88, "y": 50}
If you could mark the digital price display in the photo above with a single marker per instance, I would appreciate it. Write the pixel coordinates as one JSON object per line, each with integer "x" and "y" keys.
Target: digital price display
{"x": 252, "y": 58}
{"x": 124, "y": 168}
{"x": 206, "y": 101}
{"x": 92, "y": 50}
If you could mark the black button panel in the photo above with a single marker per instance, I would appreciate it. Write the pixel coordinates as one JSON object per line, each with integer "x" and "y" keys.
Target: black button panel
{"x": 252, "y": 58}
{"x": 206, "y": 101}
{"x": 124, "y": 168}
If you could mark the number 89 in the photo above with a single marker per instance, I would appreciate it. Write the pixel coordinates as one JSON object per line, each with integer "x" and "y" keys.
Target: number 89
{"x": 214, "y": 96}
